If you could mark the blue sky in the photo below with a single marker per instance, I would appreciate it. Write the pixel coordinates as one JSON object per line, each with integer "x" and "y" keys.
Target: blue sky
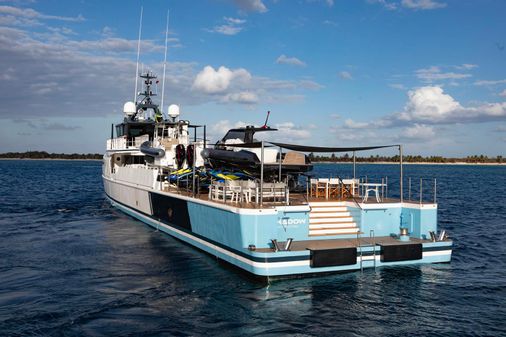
{"x": 429, "y": 74}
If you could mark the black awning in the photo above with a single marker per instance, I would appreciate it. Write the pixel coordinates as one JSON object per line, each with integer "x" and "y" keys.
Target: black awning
{"x": 252, "y": 145}
{"x": 303, "y": 148}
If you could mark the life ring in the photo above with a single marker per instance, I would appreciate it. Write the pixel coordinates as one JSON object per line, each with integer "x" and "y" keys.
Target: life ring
{"x": 180, "y": 155}
{"x": 190, "y": 158}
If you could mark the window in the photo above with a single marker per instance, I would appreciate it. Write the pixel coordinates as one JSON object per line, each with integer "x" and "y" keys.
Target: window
{"x": 234, "y": 135}
{"x": 120, "y": 130}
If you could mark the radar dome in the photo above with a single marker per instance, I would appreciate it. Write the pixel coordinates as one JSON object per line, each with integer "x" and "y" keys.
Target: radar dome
{"x": 129, "y": 108}
{"x": 173, "y": 111}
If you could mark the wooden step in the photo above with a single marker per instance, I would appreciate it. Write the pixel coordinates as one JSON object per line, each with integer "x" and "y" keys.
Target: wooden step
{"x": 333, "y": 226}
{"x": 339, "y": 231}
{"x": 329, "y": 214}
{"x": 327, "y": 203}
{"x": 339, "y": 224}
{"x": 329, "y": 209}
{"x": 325, "y": 234}
{"x": 343, "y": 219}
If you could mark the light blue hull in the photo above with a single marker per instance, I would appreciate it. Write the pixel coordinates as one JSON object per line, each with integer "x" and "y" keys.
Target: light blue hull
{"x": 227, "y": 233}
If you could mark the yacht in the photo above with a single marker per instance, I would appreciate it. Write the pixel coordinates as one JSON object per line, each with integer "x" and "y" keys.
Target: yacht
{"x": 257, "y": 205}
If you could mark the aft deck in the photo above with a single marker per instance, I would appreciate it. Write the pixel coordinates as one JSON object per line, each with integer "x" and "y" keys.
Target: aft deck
{"x": 254, "y": 194}
{"x": 358, "y": 242}
{"x": 295, "y": 199}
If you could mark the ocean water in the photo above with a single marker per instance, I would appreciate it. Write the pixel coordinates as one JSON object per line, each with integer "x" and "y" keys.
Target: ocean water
{"x": 71, "y": 265}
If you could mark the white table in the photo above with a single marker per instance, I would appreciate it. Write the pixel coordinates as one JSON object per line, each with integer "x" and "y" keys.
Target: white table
{"x": 371, "y": 187}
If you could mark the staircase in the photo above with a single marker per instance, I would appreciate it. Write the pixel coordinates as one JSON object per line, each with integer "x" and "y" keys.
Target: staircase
{"x": 331, "y": 218}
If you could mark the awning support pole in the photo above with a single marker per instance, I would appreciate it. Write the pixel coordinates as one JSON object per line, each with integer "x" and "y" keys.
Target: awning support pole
{"x": 401, "y": 177}
{"x": 205, "y": 144}
{"x": 262, "y": 175}
{"x": 354, "y": 165}
{"x": 194, "y": 165}
{"x": 280, "y": 156}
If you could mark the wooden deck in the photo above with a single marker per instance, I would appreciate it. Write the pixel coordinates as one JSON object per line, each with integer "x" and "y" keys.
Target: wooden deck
{"x": 296, "y": 199}
{"x": 343, "y": 243}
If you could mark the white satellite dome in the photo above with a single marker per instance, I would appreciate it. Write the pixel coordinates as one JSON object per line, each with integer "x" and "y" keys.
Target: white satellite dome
{"x": 129, "y": 108}
{"x": 173, "y": 110}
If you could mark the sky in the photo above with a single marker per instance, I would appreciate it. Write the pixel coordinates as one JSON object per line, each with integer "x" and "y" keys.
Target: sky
{"x": 428, "y": 74}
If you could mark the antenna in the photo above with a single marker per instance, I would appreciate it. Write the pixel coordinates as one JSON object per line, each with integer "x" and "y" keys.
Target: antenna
{"x": 165, "y": 58}
{"x": 138, "y": 54}
{"x": 266, "y": 120}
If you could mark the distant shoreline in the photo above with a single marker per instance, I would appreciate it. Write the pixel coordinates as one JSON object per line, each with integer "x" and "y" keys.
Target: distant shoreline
{"x": 50, "y": 159}
{"x": 317, "y": 162}
{"x": 408, "y": 163}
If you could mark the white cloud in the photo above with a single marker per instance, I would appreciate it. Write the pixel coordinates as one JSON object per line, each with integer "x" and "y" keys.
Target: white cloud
{"x": 293, "y": 61}
{"x": 234, "y": 21}
{"x": 487, "y": 82}
{"x": 107, "y": 31}
{"x": 218, "y": 130}
{"x": 429, "y": 103}
{"x": 434, "y": 73}
{"x": 386, "y": 4}
{"x": 227, "y": 29}
{"x": 311, "y": 85}
{"x": 503, "y": 93}
{"x": 118, "y": 45}
{"x": 397, "y": 86}
{"x": 243, "y": 97}
{"x": 251, "y": 5}
{"x": 419, "y": 132}
{"x": 430, "y": 106}
{"x": 466, "y": 66}
{"x": 350, "y": 124}
{"x": 31, "y": 14}
{"x": 106, "y": 65}
{"x": 365, "y": 136}
{"x": 70, "y": 67}
{"x": 289, "y": 132}
{"x": 225, "y": 85}
{"x": 345, "y": 75}
{"x": 211, "y": 81}
{"x": 232, "y": 26}
{"x": 91, "y": 67}
{"x": 422, "y": 4}
{"x": 329, "y": 3}
{"x": 330, "y": 23}
{"x": 62, "y": 30}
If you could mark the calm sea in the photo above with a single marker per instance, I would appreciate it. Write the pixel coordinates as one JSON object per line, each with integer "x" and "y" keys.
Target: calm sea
{"x": 71, "y": 265}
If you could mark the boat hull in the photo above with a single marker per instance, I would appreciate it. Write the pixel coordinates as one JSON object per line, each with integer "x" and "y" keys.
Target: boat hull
{"x": 226, "y": 232}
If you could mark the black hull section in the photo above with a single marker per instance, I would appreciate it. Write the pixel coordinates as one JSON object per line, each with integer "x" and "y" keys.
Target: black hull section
{"x": 170, "y": 210}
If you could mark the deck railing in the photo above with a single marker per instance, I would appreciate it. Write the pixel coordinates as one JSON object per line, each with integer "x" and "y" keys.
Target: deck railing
{"x": 122, "y": 143}
{"x": 248, "y": 191}
{"x": 423, "y": 190}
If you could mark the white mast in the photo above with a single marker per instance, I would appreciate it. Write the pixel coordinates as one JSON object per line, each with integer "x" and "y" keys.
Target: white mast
{"x": 138, "y": 54}
{"x": 165, "y": 58}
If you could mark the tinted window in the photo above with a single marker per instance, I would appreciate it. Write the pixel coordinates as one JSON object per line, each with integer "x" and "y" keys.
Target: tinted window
{"x": 234, "y": 135}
